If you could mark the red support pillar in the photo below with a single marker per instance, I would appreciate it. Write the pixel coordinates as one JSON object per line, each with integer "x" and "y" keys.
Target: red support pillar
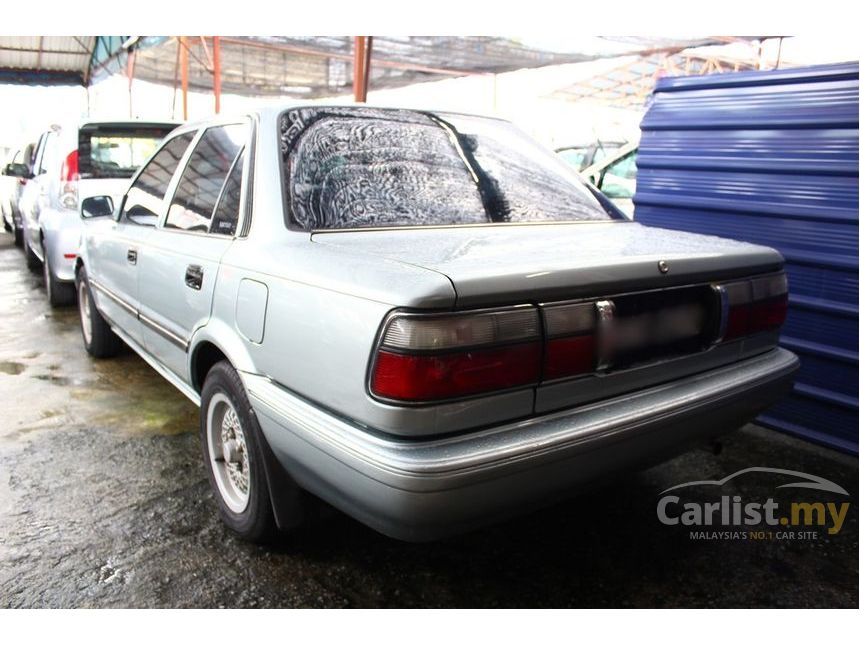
{"x": 183, "y": 64}
{"x": 216, "y": 71}
{"x": 361, "y": 67}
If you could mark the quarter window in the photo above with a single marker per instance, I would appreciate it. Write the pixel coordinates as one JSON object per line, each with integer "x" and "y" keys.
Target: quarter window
{"x": 227, "y": 213}
{"x": 143, "y": 204}
{"x": 203, "y": 178}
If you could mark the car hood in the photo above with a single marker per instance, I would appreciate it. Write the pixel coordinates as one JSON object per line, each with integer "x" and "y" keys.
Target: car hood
{"x": 500, "y": 264}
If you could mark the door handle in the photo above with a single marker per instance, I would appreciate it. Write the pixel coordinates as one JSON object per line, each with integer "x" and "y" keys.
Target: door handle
{"x": 131, "y": 256}
{"x": 194, "y": 277}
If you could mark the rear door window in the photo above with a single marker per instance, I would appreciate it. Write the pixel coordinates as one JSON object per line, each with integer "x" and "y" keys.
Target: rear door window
{"x": 143, "y": 203}
{"x": 43, "y": 153}
{"x": 116, "y": 150}
{"x": 204, "y": 177}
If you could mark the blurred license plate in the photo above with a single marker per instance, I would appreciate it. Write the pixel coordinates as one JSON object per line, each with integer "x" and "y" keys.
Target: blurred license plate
{"x": 659, "y": 326}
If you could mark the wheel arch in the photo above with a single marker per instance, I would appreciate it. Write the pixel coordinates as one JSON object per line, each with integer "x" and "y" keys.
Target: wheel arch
{"x": 213, "y": 343}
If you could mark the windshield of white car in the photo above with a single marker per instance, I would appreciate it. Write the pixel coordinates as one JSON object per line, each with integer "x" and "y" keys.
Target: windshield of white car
{"x": 116, "y": 151}
{"x": 366, "y": 167}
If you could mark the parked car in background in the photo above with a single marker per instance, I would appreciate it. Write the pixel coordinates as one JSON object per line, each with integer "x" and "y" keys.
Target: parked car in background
{"x": 426, "y": 319}
{"x": 69, "y": 164}
{"x": 615, "y": 177}
{"x": 13, "y": 177}
{"x": 582, "y": 156}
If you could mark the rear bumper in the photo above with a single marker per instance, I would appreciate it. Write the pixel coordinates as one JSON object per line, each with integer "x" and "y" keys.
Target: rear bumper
{"x": 62, "y": 232}
{"x": 425, "y": 489}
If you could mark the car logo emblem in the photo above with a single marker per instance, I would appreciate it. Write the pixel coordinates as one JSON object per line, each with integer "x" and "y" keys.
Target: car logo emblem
{"x": 663, "y": 266}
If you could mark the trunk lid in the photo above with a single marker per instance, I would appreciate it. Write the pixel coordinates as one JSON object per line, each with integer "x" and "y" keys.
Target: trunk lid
{"x": 510, "y": 264}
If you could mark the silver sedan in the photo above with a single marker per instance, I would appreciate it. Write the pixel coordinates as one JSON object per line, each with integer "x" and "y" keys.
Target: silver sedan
{"x": 425, "y": 319}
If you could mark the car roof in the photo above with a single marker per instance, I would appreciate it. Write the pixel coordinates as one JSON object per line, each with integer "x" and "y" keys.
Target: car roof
{"x": 270, "y": 113}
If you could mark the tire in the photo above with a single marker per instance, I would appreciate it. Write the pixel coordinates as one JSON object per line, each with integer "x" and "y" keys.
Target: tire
{"x": 60, "y": 294}
{"x": 33, "y": 262}
{"x": 19, "y": 237}
{"x": 248, "y": 512}
{"x": 99, "y": 339}
{"x": 6, "y": 225}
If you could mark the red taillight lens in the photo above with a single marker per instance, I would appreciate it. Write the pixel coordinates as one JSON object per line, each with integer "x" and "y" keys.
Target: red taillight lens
{"x": 768, "y": 314}
{"x": 755, "y": 306}
{"x": 444, "y": 376}
{"x": 69, "y": 176}
{"x": 430, "y": 358}
{"x": 569, "y": 356}
{"x": 69, "y": 171}
{"x": 571, "y": 347}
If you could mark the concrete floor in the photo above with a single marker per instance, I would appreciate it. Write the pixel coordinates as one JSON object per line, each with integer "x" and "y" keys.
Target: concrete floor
{"x": 104, "y": 503}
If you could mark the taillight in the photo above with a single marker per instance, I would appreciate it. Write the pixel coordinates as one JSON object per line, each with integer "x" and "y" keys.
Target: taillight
{"x": 571, "y": 346}
{"x": 754, "y": 306}
{"x": 424, "y": 358}
{"x": 428, "y": 358}
{"x": 69, "y": 177}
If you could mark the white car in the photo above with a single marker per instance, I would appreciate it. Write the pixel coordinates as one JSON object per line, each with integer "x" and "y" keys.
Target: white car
{"x": 72, "y": 163}
{"x": 13, "y": 177}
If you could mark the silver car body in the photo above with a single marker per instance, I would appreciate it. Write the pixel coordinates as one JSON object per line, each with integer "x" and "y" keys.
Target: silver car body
{"x": 298, "y": 314}
{"x": 50, "y": 225}
{"x": 13, "y": 188}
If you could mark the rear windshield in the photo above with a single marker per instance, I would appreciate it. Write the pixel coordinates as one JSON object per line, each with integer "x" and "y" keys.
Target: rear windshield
{"x": 116, "y": 151}
{"x": 365, "y": 167}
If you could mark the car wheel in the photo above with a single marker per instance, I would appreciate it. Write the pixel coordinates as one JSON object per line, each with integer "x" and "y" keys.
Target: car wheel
{"x": 100, "y": 341}
{"x": 33, "y": 262}
{"x": 230, "y": 434}
{"x": 59, "y": 293}
{"x": 19, "y": 237}
{"x": 6, "y": 226}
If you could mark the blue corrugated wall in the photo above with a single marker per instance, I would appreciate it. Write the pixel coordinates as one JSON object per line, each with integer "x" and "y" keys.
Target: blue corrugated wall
{"x": 771, "y": 157}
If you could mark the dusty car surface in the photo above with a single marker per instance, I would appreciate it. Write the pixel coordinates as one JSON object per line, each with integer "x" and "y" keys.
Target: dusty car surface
{"x": 69, "y": 164}
{"x": 425, "y": 319}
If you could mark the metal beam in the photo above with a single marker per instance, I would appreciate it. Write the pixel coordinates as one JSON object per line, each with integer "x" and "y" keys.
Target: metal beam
{"x": 130, "y": 80}
{"x": 389, "y": 64}
{"x": 359, "y": 89}
{"x": 183, "y": 65}
{"x": 216, "y": 71}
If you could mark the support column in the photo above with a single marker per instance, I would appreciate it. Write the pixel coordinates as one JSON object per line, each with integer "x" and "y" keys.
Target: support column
{"x": 216, "y": 71}
{"x": 183, "y": 65}
{"x": 130, "y": 72}
{"x": 361, "y": 67}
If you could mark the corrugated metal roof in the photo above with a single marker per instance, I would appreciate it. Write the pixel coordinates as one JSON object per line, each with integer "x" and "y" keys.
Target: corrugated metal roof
{"x": 45, "y": 58}
{"x": 318, "y": 66}
{"x": 56, "y": 53}
{"x": 302, "y": 67}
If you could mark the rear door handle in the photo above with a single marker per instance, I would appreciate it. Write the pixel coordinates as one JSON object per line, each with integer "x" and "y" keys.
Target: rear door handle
{"x": 131, "y": 256}
{"x": 194, "y": 277}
